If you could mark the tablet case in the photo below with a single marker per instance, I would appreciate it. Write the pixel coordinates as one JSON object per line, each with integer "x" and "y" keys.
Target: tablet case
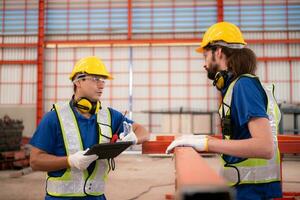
{"x": 108, "y": 150}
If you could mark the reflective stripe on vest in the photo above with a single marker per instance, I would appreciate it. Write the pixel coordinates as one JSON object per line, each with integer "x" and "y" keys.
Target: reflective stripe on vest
{"x": 74, "y": 182}
{"x": 254, "y": 170}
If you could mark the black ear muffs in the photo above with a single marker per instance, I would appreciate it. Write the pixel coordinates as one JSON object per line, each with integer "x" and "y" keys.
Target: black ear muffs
{"x": 220, "y": 79}
{"x": 86, "y": 106}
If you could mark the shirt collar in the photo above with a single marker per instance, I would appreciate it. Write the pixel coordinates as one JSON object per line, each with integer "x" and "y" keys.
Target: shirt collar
{"x": 78, "y": 115}
{"x": 227, "y": 83}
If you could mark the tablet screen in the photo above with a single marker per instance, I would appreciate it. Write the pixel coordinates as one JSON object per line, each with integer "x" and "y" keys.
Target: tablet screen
{"x": 108, "y": 150}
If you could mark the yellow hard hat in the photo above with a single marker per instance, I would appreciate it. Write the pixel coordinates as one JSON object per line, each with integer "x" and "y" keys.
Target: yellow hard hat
{"x": 224, "y": 32}
{"x": 90, "y": 65}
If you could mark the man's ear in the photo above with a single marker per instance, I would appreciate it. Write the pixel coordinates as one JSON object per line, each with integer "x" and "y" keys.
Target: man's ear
{"x": 219, "y": 52}
{"x": 77, "y": 83}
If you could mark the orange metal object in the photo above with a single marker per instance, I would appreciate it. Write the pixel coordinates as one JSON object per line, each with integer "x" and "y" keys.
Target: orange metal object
{"x": 165, "y": 138}
{"x": 198, "y": 172}
{"x": 169, "y": 196}
{"x": 195, "y": 178}
{"x": 155, "y": 147}
{"x": 189, "y": 174}
{"x": 158, "y": 146}
{"x": 287, "y": 144}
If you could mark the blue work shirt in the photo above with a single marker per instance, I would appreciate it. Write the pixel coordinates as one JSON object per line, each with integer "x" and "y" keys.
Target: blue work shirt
{"x": 249, "y": 100}
{"x": 48, "y": 137}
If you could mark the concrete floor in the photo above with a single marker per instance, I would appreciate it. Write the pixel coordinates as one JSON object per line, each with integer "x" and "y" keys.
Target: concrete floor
{"x": 135, "y": 177}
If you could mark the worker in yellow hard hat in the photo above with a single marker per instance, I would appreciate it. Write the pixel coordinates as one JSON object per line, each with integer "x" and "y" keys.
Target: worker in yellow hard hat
{"x": 90, "y": 65}
{"x": 249, "y": 116}
{"x": 62, "y": 140}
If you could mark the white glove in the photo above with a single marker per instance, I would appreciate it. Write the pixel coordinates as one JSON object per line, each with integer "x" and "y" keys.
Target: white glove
{"x": 81, "y": 161}
{"x": 128, "y": 134}
{"x": 198, "y": 142}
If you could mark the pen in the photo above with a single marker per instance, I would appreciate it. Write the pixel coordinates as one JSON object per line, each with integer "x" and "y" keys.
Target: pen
{"x": 115, "y": 135}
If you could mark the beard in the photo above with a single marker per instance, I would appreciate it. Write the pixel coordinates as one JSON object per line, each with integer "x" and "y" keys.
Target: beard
{"x": 212, "y": 70}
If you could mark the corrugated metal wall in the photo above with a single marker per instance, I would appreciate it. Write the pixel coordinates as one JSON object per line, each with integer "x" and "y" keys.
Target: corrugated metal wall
{"x": 165, "y": 77}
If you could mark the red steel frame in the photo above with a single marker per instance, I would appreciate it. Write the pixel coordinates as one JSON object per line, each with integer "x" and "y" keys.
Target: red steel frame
{"x": 129, "y": 20}
{"x": 21, "y": 62}
{"x": 160, "y": 41}
{"x": 129, "y": 41}
{"x": 220, "y": 10}
{"x": 40, "y": 66}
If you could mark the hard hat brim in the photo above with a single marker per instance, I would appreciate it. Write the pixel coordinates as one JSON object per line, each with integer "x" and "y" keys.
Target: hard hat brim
{"x": 110, "y": 77}
{"x": 199, "y": 50}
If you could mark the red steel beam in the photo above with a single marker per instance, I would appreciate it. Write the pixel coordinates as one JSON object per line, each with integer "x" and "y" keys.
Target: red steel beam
{"x": 159, "y": 41}
{"x": 220, "y": 10}
{"x": 155, "y": 147}
{"x": 17, "y": 45}
{"x": 286, "y": 143}
{"x": 289, "y": 143}
{"x": 129, "y": 19}
{"x": 13, "y": 62}
{"x": 40, "y": 56}
{"x": 290, "y": 195}
{"x": 165, "y": 138}
{"x": 278, "y": 58}
{"x": 18, "y": 62}
{"x": 158, "y": 146}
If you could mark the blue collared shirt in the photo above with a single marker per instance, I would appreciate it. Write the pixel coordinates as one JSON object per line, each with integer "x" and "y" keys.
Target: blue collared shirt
{"x": 48, "y": 137}
{"x": 249, "y": 100}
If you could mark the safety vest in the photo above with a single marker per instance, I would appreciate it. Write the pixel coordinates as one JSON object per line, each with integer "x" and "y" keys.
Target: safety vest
{"x": 254, "y": 170}
{"x": 74, "y": 182}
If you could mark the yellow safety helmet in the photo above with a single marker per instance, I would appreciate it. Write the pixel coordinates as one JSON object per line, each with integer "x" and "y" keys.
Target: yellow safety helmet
{"x": 226, "y": 33}
{"x": 90, "y": 65}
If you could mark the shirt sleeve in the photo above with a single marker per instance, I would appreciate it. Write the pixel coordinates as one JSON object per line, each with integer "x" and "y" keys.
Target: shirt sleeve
{"x": 45, "y": 136}
{"x": 117, "y": 120}
{"x": 249, "y": 100}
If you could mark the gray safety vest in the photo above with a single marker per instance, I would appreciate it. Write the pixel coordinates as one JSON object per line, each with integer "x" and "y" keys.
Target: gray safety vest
{"x": 255, "y": 170}
{"x": 74, "y": 182}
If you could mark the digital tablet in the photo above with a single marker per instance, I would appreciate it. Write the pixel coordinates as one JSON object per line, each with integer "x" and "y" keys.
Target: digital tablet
{"x": 108, "y": 150}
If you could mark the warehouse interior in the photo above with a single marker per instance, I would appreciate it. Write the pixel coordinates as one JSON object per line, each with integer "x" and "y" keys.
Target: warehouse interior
{"x": 159, "y": 81}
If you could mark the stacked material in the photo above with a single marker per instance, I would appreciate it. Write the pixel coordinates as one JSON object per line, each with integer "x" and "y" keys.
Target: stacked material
{"x": 10, "y": 134}
{"x": 12, "y": 154}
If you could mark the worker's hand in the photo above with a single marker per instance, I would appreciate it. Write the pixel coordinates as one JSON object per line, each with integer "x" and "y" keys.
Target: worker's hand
{"x": 128, "y": 134}
{"x": 81, "y": 161}
{"x": 198, "y": 142}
